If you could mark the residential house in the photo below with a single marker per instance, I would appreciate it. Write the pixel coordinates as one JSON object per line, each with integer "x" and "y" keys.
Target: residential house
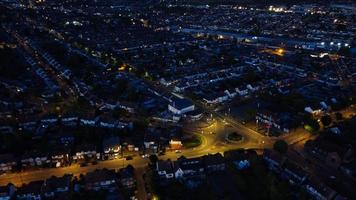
{"x": 180, "y": 106}
{"x": 70, "y": 120}
{"x": 59, "y": 156}
{"x": 294, "y": 173}
{"x": 194, "y": 115}
{"x": 85, "y": 152}
{"x": 273, "y": 159}
{"x": 6, "y": 192}
{"x": 214, "y": 163}
{"x": 100, "y": 179}
{"x": 65, "y": 139}
{"x": 332, "y": 154}
{"x": 35, "y": 159}
{"x": 175, "y": 144}
{"x": 188, "y": 168}
{"x": 6, "y": 129}
{"x": 111, "y": 147}
{"x": 318, "y": 190}
{"x": 49, "y": 120}
{"x": 127, "y": 178}
{"x": 216, "y": 98}
{"x": 349, "y": 168}
{"x": 252, "y": 88}
{"x": 164, "y": 169}
{"x": 31, "y": 191}
{"x": 281, "y": 122}
{"x": 112, "y": 124}
{"x": 87, "y": 121}
{"x": 242, "y": 93}
{"x": 56, "y": 185}
{"x": 150, "y": 143}
{"x": 7, "y": 163}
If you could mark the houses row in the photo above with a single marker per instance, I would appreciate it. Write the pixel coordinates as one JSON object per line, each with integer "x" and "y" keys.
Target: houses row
{"x": 51, "y": 84}
{"x": 63, "y": 187}
{"x": 205, "y": 78}
{"x": 184, "y": 168}
{"x": 73, "y": 121}
{"x": 111, "y": 149}
{"x": 297, "y": 176}
{"x": 334, "y": 156}
{"x": 228, "y": 94}
{"x": 201, "y": 167}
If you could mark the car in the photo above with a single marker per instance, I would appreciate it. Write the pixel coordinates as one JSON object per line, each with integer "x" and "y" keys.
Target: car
{"x": 129, "y": 158}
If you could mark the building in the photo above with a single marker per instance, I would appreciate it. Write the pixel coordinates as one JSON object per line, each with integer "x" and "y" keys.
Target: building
{"x": 280, "y": 122}
{"x": 59, "y": 156}
{"x": 111, "y": 147}
{"x": 175, "y": 144}
{"x": 54, "y": 185}
{"x": 85, "y": 152}
{"x": 274, "y": 160}
{"x": 33, "y": 159}
{"x": 7, "y": 163}
{"x": 127, "y": 178}
{"x": 180, "y": 106}
{"x": 31, "y": 191}
{"x": 214, "y": 163}
{"x": 318, "y": 190}
{"x": 100, "y": 179}
{"x": 165, "y": 169}
{"x": 294, "y": 173}
{"x": 6, "y": 192}
{"x": 188, "y": 168}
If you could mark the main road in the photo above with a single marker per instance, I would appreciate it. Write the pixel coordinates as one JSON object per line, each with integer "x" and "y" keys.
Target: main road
{"x": 211, "y": 143}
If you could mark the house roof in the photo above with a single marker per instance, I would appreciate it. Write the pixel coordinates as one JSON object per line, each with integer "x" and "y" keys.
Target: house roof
{"x": 188, "y": 164}
{"x": 99, "y": 176}
{"x": 272, "y": 155}
{"x": 321, "y": 188}
{"x": 164, "y": 165}
{"x": 111, "y": 142}
{"x": 180, "y": 103}
{"x": 213, "y": 159}
{"x": 31, "y": 188}
{"x": 126, "y": 173}
{"x": 85, "y": 147}
{"x": 6, "y": 158}
{"x": 4, "y": 190}
{"x": 295, "y": 169}
{"x": 53, "y": 183}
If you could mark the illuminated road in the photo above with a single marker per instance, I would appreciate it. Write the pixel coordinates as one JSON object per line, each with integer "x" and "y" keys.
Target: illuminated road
{"x": 41, "y": 174}
{"x": 211, "y": 143}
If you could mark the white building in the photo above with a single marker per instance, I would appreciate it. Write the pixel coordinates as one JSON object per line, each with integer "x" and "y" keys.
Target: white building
{"x": 180, "y": 106}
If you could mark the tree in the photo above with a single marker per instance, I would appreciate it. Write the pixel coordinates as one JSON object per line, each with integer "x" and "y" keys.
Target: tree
{"x": 281, "y": 146}
{"x": 153, "y": 159}
{"x": 326, "y": 120}
{"x": 130, "y": 168}
{"x": 312, "y": 125}
{"x": 118, "y": 112}
{"x": 338, "y": 116}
